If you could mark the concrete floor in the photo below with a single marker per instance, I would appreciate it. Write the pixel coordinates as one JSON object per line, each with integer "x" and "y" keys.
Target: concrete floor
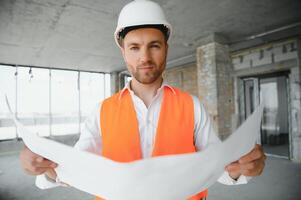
{"x": 280, "y": 180}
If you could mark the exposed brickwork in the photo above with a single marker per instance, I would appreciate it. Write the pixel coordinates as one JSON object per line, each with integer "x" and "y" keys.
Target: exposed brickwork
{"x": 183, "y": 77}
{"x": 215, "y": 85}
{"x": 266, "y": 54}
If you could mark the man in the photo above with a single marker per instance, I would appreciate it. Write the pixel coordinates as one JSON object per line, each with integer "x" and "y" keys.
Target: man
{"x": 148, "y": 117}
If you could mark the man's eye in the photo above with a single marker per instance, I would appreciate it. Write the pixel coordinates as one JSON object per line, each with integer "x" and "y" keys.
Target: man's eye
{"x": 155, "y": 46}
{"x": 134, "y": 48}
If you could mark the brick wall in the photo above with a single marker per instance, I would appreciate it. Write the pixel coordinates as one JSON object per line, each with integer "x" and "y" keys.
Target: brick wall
{"x": 215, "y": 85}
{"x": 183, "y": 77}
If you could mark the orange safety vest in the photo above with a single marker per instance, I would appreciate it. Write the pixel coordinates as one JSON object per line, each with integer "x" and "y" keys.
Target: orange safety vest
{"x": 175, "y": 131}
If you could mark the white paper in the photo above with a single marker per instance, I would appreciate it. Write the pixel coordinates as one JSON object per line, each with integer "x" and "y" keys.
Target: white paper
{"x": 165, "y": 177}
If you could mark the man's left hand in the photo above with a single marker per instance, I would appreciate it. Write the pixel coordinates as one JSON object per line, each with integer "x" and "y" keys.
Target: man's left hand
{"x": 251, "y": 164}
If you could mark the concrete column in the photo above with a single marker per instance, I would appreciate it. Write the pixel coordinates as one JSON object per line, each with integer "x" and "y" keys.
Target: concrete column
{"x": 114, "y": 82}
{"x": 215, "y": 83}
{"x": 295, "y": 89}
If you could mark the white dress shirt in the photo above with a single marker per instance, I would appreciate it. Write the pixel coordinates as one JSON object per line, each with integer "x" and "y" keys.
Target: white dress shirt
{"x": 204, "y": 135}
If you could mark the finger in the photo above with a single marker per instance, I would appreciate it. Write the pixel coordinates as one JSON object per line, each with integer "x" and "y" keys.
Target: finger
{"x": 255, "y": 154}
{"x": 45, "y": 164}
{"x": 36, "y": 170}
{"x": 27, "y": 171}
{"x": 233, "y": 167}
{"x": 232, "y": 163}
{"x": 254, "y": 171}
{"x": 251, "y": 165}
{"x": 42, "y": 162}
{"x": 51, "y": 174}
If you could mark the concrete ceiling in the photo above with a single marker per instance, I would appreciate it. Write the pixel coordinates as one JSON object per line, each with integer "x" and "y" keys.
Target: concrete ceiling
{"x": 77, "y": 34}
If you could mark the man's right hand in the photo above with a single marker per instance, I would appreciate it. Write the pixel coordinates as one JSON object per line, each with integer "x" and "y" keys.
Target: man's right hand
{"x": 34, "y": 164}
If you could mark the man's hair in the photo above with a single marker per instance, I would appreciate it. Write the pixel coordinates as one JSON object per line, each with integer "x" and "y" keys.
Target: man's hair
{"x": 160, "y": 27}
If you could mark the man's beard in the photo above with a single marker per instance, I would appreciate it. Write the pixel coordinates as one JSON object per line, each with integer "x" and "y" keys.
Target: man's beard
{"x": 149, "y": 76}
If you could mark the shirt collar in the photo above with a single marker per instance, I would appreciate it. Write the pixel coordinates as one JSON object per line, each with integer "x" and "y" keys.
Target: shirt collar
{"x": 127, "y": 87}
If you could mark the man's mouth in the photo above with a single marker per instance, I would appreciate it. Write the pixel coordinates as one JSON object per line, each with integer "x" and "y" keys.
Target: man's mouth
{"x": 146, "y": 67}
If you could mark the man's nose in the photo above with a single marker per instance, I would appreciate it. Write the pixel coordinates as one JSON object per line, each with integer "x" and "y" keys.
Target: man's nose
{"x": 145, "y": 56}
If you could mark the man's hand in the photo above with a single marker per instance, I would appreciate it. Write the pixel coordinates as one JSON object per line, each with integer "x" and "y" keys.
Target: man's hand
{"x": 251, "y": 164}
{"x": 34, "y": 164}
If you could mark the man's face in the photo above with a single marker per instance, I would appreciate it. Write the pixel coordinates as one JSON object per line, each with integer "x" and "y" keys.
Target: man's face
{"x": 144, "y": 51}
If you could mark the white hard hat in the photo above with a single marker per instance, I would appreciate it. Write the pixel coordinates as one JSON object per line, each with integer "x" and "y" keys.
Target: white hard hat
{"x": 139, "y": 13}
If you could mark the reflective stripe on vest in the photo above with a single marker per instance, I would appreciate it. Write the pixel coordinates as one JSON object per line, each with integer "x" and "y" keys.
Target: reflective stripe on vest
{"x": 175, "y": 131}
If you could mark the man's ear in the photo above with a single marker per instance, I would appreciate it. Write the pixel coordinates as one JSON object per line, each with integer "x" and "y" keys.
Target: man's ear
{"x": 122, "y": 52}
{"x": 166, "y": 48}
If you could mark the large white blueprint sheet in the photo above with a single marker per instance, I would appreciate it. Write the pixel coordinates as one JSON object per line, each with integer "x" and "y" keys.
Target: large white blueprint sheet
{"x": 166, "y": 177}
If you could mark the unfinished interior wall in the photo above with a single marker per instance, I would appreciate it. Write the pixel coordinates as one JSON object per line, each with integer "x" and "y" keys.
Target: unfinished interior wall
{"x": 183, "y": 77}
{"x": 216, "y": 79}
{"x": 271, "y": 58}
{"x": 215, "y": 85}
